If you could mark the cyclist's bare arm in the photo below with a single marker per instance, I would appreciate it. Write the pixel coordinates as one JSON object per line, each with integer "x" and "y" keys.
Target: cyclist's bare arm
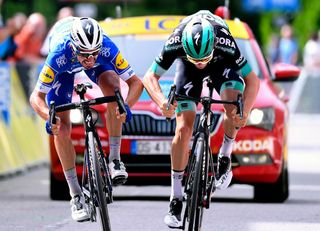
{"x": 151, "y": 83}
{"x": 135, "y": 90}
{"x": 38, "y": 103}
{"x": 249, "y": 96}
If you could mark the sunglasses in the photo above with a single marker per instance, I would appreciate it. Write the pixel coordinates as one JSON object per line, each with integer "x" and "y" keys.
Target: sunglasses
{"x": 204, "y": 60}
{"x": 87, "y": 54}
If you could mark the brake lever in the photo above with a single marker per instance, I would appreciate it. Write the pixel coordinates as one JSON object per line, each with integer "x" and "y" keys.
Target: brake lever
{"x": 52, "y": 113}
{"x": 171, "y": 97}
{"x": 120, "y": 102}
{"x": 240, "y": 105}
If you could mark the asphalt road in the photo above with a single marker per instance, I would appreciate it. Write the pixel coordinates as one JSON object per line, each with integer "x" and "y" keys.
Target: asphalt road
{"x": 25, "y": 204}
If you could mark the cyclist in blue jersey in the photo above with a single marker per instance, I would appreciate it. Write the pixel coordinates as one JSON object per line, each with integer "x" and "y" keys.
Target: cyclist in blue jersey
{"x": 79, "y": 44}
{"x": 203, "y": 47}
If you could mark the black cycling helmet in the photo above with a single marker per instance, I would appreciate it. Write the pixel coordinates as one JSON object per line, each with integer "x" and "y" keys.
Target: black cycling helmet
{"x": 198, "y": 39}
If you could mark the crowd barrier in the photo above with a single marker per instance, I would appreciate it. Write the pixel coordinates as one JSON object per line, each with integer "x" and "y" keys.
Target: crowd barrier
{"x": 23, "y": 141}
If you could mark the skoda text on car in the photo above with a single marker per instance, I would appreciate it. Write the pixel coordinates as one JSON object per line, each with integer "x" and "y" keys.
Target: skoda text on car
{"x": 260, "y": 152}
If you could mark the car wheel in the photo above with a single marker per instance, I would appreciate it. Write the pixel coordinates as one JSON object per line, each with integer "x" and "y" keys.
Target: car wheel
{"x": 58, "y": 189}
{"x": 277, "y": 192}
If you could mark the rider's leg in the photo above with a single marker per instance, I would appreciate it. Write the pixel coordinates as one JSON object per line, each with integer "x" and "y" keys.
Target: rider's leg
{"x": 229, "y": 91}
{"x": 108, "y": 81}
{"x": 61, "y": 93}
{"x": 66, "y": 153}
{"x": 180, "y": 149}
{"x": 230, "y": 131}
{"x": 179, "y": 160}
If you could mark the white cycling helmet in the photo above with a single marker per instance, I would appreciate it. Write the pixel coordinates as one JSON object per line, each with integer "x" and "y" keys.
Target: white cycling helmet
{"x": 86, "y": 34}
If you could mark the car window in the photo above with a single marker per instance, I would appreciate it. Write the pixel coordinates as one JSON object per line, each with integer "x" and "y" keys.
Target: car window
{"x": 140, "y": 51}
{"x": 247, "y": 51}
{"x": 304, "y": 94}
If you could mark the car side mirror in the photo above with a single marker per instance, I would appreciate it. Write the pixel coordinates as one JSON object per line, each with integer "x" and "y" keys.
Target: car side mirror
{"x": 285, "y": 72}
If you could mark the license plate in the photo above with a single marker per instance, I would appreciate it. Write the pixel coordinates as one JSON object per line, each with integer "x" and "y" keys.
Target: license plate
{"x": 151, "y": 147}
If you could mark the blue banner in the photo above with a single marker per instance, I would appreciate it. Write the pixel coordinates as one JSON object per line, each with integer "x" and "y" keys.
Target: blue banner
{"x": 5, "y": 92}
{"x": 271, "y": 5}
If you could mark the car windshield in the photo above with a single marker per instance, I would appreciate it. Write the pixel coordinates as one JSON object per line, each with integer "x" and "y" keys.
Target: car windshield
{"x": 140, "y": 51}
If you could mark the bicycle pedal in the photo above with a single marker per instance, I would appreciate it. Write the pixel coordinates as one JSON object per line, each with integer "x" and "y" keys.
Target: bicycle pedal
{"x": 85, "y": 220}
{"x": 118, "y": 181}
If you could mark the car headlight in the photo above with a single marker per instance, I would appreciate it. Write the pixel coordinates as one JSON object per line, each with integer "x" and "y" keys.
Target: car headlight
{"x": 262, "y": 118}
{"x": 76, "y": 118}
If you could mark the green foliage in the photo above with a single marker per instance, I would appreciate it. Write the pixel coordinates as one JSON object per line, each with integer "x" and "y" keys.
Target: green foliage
{"x": 307, "y": 21}
{"x": 304, "y": 22}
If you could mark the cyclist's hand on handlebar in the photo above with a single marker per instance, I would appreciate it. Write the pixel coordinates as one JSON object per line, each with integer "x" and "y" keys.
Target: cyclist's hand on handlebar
{"x": 237, "y": 121}
{"x": 53, "y": 129}
{"x": 168, "y": 113}
{"x": 124, "y": 117}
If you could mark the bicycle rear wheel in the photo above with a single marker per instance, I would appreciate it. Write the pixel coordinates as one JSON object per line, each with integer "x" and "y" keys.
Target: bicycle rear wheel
{"x": 195, "y": 206}
{"x": 99, "y": 183}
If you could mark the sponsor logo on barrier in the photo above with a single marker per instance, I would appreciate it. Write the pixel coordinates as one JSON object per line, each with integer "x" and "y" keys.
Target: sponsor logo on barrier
{"x": 5, "y": 100}
{"x": 47, "y": 75}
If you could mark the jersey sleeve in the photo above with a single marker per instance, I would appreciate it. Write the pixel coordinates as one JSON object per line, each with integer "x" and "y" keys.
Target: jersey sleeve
{"x": 170, "y": 51}
{"x": 111, "y": 55}
{"x": 227, "y": 45}
{"x": 52, "y": 66}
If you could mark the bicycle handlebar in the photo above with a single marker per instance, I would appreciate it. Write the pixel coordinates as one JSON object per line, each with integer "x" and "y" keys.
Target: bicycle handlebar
{"x": 81, "y": 89}
{"x": 173, "y": 95}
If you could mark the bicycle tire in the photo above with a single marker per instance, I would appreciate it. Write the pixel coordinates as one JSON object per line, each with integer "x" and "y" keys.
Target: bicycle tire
{"x": 98, "y": 183}
{"x": 196, "y": 208}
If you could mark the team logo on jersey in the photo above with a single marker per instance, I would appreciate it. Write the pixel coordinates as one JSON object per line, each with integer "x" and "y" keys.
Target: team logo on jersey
{"x": 121, "y": 63}
{"x": 61, "y": 60}
{"x": 105, "y": 51}
{"x": 172, "y": 40}
{"x": 46, "y": 75}
{"x": 227, "y": 42}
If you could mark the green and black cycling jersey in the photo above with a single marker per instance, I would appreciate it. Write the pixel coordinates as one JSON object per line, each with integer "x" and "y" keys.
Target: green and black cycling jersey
{"x": 226, "y": 49}
{"x": 227, "y": 64}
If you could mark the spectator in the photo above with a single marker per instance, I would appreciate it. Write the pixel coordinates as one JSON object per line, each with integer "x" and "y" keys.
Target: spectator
{"x": 288, "y": 48}
{"x": 30, "y": 39}
{"x": 273, "y": 49}
{"x": 13, "y": 26}
{"x": 311, "y": 54}
{"x": 63, "y": 13}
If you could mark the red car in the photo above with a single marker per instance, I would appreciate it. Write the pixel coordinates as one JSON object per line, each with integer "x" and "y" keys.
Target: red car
{"x": 260, "y": 151}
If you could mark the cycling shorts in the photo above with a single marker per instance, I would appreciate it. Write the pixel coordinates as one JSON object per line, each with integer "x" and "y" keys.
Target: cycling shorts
{"x": 189, "y": 79}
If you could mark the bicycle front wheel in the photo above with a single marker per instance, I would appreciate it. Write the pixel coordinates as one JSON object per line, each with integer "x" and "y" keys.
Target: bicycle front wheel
{"x": 99, "y": 183}
{"x": 195, "y": 204}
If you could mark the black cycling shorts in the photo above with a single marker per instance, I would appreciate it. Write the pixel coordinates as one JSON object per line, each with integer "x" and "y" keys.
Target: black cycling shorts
{"x": 189, "y": 79}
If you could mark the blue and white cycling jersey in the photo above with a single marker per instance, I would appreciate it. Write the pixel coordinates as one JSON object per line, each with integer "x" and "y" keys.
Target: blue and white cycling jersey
{"x": 57, "y": 74}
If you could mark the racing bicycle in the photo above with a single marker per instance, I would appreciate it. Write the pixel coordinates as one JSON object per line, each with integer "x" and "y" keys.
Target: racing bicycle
{"x": 96, "y": 181}
{"x": 200, "y": 181}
